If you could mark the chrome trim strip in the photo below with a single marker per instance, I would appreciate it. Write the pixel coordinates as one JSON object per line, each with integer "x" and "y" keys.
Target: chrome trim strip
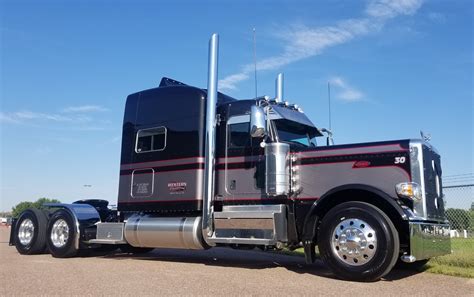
{"x": 419, "y": 146}
{"x": 235, "y": 240}
{"x": 103, "y": 241}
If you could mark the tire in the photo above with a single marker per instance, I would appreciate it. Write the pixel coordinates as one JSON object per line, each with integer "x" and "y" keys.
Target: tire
{"x": 415, "y": 266}
{"x": 128, "y": 249}
{"x": 358, "y": 241}
{"x": 61, "y": 235}
{"x": 30, "y": 232}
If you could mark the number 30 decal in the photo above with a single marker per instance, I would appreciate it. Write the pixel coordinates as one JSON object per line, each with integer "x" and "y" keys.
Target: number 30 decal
{"x": 400, "y": 160}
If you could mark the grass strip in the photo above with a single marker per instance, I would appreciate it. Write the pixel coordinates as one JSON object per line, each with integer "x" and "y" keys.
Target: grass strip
{"x": 459, "y": 263}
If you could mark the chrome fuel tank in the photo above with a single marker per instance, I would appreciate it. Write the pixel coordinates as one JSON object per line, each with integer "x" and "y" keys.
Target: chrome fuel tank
{"x": 163, "y": 232}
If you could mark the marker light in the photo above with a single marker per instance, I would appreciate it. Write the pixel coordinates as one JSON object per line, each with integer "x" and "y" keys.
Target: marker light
{"x": 409, "y": 190}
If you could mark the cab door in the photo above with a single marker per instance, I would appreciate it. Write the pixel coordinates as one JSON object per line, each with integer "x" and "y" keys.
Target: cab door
{"x": 244, "y": 161}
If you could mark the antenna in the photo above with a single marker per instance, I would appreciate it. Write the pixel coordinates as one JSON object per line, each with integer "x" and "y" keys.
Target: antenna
{"x": 329, "y": 104}
{"x": 255, "y": 58}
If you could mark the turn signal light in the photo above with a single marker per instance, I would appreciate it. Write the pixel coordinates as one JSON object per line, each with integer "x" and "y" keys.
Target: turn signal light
{"x": 409, "y": 190}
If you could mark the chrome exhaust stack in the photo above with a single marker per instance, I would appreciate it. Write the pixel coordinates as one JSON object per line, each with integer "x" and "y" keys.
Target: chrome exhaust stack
{"x": 279, "y": 88}
{"x": 210, "y": 140}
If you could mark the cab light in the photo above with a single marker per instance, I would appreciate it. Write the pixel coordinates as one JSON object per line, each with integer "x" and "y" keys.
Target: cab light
{"x": 409, "y": 190}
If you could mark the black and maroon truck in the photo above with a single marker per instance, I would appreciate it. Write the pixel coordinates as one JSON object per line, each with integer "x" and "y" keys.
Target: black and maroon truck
{"x": 201, "y": 169}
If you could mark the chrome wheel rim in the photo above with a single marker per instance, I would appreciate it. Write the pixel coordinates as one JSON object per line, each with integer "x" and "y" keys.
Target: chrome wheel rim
{"x": 354, "y": 242}
{"x": 26, "y": 231}
{"x": 60, "y": 233}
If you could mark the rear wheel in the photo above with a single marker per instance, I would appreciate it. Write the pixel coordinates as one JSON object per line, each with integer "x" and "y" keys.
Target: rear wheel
{"x": 358, "y": 241}
{"x": 30, "y": 232}
{"x": 61, "y": 235}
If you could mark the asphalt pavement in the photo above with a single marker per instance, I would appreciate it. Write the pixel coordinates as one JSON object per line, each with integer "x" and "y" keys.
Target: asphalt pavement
{"x": 217, "y": 272}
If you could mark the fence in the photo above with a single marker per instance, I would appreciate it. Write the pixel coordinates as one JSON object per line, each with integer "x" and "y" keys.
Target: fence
{"x": 459, "y": 205}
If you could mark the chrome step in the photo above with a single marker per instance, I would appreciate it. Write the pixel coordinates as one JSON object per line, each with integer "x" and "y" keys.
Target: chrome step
{"x": 103, "y": 241}
{"x": 250, "y": 224}
{"x": 257, "y": 241}
{"x": 109, "y": 233}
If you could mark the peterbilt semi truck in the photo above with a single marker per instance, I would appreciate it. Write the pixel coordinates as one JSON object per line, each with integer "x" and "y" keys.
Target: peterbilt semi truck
{"x": 200, "y": 169}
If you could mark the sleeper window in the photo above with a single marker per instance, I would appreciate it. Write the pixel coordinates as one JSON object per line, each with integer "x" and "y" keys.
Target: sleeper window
{"x": 151, "y": 140}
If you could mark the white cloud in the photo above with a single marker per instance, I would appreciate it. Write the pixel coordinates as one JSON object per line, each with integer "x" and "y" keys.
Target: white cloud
{"x": 392, "y": 8}
{"x": 26, "y": 115}
{"x": 302, "y": 42}
{"x": 31, "y": 116}
{"x": 344, "y": 91}
{"x": 230, "y": 82}
{"x": 84, "y": 108}
{"x": 72, "y": 115}
{"x": 6, "y": 118}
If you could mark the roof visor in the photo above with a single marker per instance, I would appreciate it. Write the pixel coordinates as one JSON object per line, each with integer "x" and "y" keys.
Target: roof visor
{"x": 283, "y": 113}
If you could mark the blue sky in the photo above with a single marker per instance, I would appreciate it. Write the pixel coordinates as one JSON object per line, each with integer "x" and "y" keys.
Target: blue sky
{"x": 396, "y": 67}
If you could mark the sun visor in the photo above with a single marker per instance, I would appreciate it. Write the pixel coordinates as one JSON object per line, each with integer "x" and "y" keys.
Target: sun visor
{"x": 283, "y": 113}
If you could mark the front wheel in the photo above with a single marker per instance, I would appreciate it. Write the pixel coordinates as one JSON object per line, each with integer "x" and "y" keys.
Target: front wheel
{"x": 358, "y": 241}
{"x": 61, "y": 235}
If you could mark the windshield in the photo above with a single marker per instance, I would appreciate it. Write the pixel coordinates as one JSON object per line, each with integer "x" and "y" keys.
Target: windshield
{"x": 294, "y": 133}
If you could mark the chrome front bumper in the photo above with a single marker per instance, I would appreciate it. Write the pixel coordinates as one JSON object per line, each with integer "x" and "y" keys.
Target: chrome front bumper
{"x": 427, "y": 240}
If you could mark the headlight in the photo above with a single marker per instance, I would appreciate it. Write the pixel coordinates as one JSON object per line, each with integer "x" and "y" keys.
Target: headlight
{"x": 409, "y": 190}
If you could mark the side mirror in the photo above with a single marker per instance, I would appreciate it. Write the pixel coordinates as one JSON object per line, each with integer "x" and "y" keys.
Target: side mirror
{"x": 329, "y": 140}
{"x": 257, "y": 121}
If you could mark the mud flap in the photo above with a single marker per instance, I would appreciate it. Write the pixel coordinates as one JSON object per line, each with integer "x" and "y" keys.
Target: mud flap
{"x": 11, "y": 242}
{"x": 309, "y": 252}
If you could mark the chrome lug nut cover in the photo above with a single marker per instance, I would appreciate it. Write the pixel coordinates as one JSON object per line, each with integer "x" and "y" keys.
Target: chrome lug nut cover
{"x": 26, "y": 231}
{"x": 354, "y": 242}
{"x": 60, "y": 233}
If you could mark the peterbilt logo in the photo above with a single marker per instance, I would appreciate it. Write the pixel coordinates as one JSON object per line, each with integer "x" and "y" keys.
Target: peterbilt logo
{"x": 177, "y": 187}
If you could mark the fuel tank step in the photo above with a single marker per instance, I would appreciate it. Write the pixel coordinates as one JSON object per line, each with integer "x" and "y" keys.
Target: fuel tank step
{"x": 250, "y": 224}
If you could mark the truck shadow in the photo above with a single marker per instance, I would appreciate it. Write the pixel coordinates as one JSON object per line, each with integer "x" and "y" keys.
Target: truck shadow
{"x": 246, "y": 259}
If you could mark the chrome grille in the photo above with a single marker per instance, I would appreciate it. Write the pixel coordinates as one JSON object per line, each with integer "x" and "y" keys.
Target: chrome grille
{"x": 426, "y": 171}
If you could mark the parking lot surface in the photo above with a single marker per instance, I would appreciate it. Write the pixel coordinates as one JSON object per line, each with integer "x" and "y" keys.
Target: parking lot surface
{"x": 217, "y": 271}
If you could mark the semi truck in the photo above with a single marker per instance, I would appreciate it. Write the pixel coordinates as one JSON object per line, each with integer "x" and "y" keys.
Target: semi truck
{"x": 200, "y": 169}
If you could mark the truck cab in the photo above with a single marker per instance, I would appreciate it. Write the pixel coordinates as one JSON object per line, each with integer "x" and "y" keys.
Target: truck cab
{"x": 201, "y": 169}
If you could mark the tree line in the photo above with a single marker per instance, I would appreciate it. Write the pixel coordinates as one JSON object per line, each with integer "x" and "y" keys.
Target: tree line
{"x": 22, "y": 206}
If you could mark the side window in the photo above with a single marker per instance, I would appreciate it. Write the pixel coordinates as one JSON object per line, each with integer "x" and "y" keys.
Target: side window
{"x": 239, "y": 135}
{"x": 151, "y": 140}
